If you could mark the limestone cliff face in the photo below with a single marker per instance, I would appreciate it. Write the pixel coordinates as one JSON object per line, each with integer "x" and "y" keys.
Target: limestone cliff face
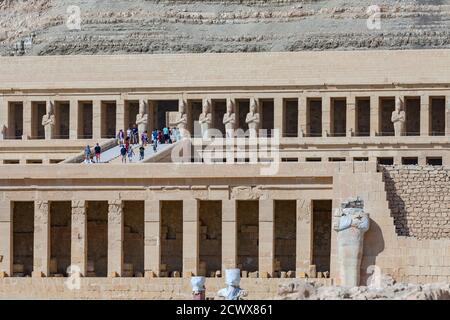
{"x": 39, "y": 27}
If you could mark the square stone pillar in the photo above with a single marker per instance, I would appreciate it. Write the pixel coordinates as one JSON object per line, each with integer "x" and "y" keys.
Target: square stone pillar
{"x": 374, "y": 115}
{"x": 266, "y": 238}
{"x": 96, "y": 119}
{"x": 425, "y": 115}
{"x": 447, "y": 116}
{"x": 326, "y": 116}
{"x": 79, "y": 237}
{"x": 191, "y": 225}
{"x": 278, "y": 112}
{"x": 120, "y": 115}
{"x": 302, "y": 117}
{"x": 304, "y": 239}
{"x": 152, "y": 113}
{"x": 351, "y": 116}
{"x": 115, "y": 238}
{"x": 73, "y": 124}
{"x": 229, "y": 235}
{"x": 6, "y": 238}
{"x": 27, "y": 120}
{"x": 41, "y": 252}
{"x": 152, "y": 238}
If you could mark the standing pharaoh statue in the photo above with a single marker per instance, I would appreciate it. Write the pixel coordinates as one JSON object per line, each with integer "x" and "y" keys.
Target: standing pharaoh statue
{"x": 205, "y": 119}
{"x": 398, "y": 118}
{"x": 182, "y": 120}
{"x": 229, "y": 120}
{"x": 351, "y": 223}
{"x": 49, "y": 121}
{"x": 142, "y": 118}
{"x": 3, "y": 133}
{"x": 252, "y": 119}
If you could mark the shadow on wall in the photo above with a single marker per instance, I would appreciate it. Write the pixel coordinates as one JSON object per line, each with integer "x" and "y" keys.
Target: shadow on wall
{"x": 396, "y": 204}
{"x": 373, "y": 246}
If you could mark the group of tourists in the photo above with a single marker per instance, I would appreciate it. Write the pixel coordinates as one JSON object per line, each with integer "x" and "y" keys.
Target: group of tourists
{"x": 130, "y": 139}
{"x": 157, "y": 137}
{"x": 92, "y": 158}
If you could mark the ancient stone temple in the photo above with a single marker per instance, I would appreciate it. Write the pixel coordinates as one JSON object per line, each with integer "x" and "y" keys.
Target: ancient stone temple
{"x": 272, "y": 144}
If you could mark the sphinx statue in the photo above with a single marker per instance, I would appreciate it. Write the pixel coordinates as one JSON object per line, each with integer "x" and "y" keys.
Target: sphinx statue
{"x": 49, "y": 121}
{"x": 205, "y": 119}
{"x": 182, "y": 120}
{"x": 351, "y": 223}
{"x": 253, "y": 119}
{"x": 233, "y": 290}
{"x": 142, "y": 119}
{"x": 229, "y": 120}
{"x": 398, "y": 118}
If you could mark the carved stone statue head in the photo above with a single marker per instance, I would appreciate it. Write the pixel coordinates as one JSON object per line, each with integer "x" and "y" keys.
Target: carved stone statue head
{"x": 49, "y": 107}
{"x": 351, "y": 215}
{"x": 229, "y": 106}
{"x": 181, "y": 106}
{"x": 253, "y": 106}
{"x": 398, "y": 104}
{"x": 142, "y": 107}
{"x": 205, "y": 106}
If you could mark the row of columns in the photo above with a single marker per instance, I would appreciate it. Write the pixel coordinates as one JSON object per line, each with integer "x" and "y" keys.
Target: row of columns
{"x": 152, "y": 244}
{"x": 279, "y": 116}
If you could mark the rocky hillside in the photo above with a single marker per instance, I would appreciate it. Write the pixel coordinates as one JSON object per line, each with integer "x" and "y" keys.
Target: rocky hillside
{"x": 39, "y": 27}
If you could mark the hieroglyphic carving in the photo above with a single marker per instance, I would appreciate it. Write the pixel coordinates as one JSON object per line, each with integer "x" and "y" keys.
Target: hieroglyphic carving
{"x": 246, "y": 192}
{"x": 115, "y": 210}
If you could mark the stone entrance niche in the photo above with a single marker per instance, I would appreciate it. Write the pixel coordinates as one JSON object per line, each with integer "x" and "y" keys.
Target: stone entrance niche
{"x": 285, "y": 235}
{"x": 97, "y": 238}
{"x": 267, "y": 115}
{"x": 23, "y": 238}
{"x": 133, "y": 245}
{"x": 108, "y": 118}
{"x": 210, "y": 215}
{"x": 60, "y": 237}
{"x": 15, "y": 120}
{"x": 290, "y": 120}
{"x": 322, "y": 214}
{"x": 219, "y": 108}
{"x": 162, "y": 111}
{"x": 412, "y": 110}
{"x": 338, "y": 116}
{"x": 248, "y": 235}
{"x": 362, "y": 116}
{"x": 193, "y": 112}
{"x": 38, "y": 110}
{"x": 131, "y": 111}
{"x": 85, "y": 117}
{"x": 437, "y": 116}
{"x": 62, "y": 116}
{"x": 314, "y": 117}
{"x": 387, "y": 106}
{"x": 171, "y": 238}
{"x": 242, "y": 109}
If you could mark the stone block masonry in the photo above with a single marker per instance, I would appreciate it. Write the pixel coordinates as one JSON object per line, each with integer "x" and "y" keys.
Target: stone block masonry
{"x": 419, "y": 199}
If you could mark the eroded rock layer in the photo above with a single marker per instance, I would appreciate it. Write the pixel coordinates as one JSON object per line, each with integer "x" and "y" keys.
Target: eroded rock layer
{"x": 40, "y": 27}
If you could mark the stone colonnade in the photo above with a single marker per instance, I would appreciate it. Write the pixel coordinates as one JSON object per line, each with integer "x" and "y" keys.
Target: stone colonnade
{"x": 321, "y": 114}
{"x": 152, "y": 237}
